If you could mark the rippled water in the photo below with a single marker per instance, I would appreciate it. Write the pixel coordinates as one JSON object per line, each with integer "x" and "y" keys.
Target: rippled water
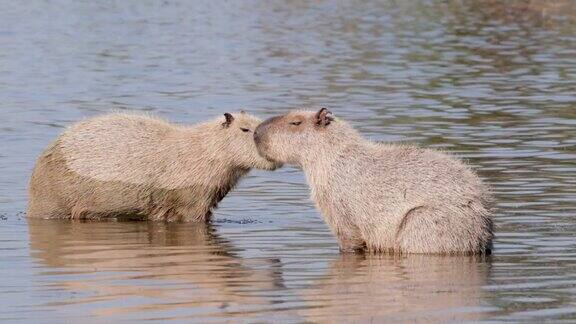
{"x": 492, "y": 82}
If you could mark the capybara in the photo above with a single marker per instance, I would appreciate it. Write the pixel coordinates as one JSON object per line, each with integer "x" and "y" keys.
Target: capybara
{"x": 382, "y": 197}
{"x": 135, "y": 166}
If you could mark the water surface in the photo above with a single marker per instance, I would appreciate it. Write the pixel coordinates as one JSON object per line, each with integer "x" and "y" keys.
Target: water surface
{"x": 494, "y": 83}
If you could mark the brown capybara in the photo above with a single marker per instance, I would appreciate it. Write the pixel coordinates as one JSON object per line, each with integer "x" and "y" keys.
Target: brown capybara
{"x": 136, "y": 166}
{"x": 382, "y": 197}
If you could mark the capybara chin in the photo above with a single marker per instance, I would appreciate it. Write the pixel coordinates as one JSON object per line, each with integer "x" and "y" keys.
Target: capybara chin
{"x": 382, "y": 197}
{"x": 135, "y": 166}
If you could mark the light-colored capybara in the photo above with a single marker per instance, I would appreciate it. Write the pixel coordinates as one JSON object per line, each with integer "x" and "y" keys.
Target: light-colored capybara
{"x": 136, "y": 166}
{"x": 382, "y": 197}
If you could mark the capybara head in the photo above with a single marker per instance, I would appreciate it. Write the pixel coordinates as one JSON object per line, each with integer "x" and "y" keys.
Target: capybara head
{"x": 301, "y": 135}
{"x": 238, "y": 130}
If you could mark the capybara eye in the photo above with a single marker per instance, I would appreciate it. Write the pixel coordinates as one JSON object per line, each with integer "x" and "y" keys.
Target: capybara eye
{"x": 296, "y": 123}
{"x": 244, "y": 129}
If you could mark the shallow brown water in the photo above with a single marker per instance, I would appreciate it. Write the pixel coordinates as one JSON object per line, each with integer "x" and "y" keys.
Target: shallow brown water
{"x": 493, "y": 83}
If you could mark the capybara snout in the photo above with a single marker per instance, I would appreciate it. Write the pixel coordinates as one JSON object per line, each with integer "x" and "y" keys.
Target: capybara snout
{"x": 261, "y": 129}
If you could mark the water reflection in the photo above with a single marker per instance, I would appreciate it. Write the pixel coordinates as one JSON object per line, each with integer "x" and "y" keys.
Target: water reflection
{"x": 150, "y": 267}
{"x": 538, "y": 13}
{"x": 395, "y": 288}
{"x": 145, "y": 270}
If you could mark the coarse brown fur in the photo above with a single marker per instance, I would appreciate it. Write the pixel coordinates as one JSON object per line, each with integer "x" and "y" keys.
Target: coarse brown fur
{"x": 136, "y": 166}
{"x": 382, "y": 197}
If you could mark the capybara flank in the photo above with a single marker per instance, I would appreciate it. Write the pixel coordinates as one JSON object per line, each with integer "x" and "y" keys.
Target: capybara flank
{"x": 135, "y": 166}
{"x": 382, "y": 197}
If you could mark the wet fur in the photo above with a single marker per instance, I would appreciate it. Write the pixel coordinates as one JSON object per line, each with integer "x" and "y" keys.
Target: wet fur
{"x": 134, "y": 166}
{"x": 382, "y": 197}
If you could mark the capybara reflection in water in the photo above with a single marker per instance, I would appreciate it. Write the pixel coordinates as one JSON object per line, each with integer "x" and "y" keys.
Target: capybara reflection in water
{"x": 382, "y": 197}
{"x": 131, "y": 165}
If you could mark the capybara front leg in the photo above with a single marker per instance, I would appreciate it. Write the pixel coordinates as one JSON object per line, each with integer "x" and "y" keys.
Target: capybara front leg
{"x": 79, "y": 212}
{"x": 350, "y": 244}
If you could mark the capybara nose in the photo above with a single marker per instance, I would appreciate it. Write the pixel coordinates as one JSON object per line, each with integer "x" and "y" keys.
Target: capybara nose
{"x": 262, "y": 128}
{"x": 257, "y": 135}
{"x": 258, "y": 132}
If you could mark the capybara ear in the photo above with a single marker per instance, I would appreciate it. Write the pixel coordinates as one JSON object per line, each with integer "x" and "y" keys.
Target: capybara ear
{"x": 242, "y": 111}
{"x": 229, "y": 120}
{"x": 323, "y": 117}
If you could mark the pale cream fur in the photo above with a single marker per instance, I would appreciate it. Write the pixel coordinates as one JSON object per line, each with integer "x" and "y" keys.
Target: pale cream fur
{"x": 382, "y": 197}
{"x": 138, "y": 166}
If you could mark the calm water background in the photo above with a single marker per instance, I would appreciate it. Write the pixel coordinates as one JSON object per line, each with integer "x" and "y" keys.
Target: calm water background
{"x": 492, "y": 82}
